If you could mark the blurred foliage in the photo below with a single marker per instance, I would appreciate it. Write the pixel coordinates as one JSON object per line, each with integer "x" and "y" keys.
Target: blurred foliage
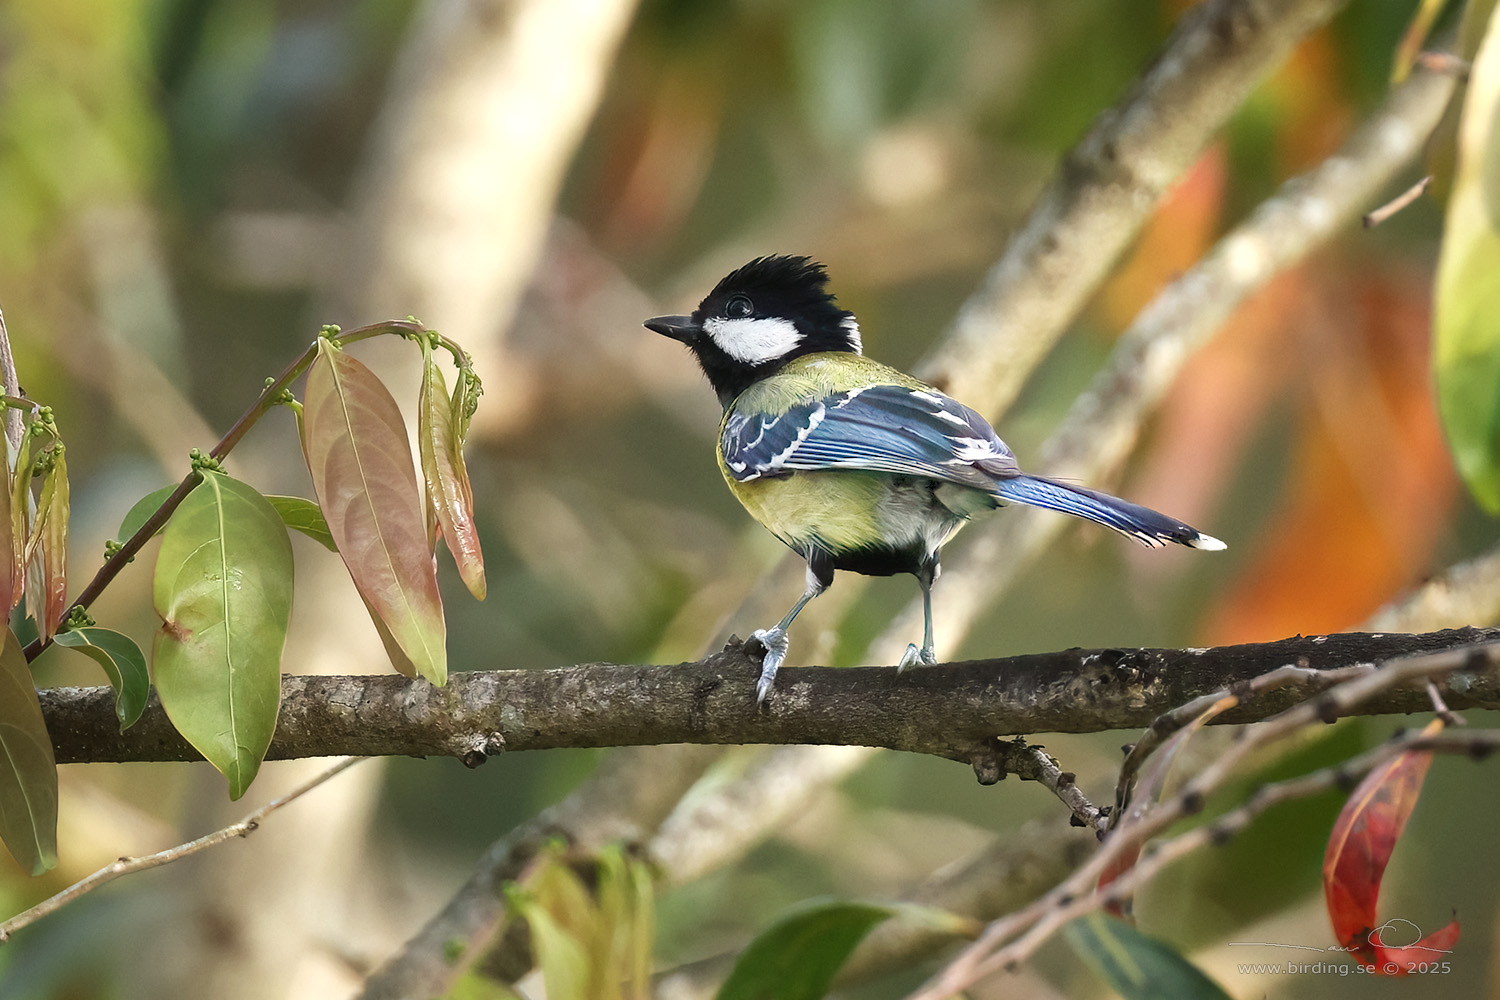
{"x": 173, "y": 177}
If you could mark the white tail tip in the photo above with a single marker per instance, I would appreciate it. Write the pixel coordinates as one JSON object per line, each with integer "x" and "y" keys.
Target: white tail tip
{"x": 1207, "y": 542}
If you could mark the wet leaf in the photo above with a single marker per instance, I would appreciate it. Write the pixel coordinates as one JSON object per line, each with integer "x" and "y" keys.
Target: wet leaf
{"x": 450, "y": 498}
{"x": 28, "y": 772}
{"x": 122, "y": 661}
{"x": 1136, "y": 966}
{"x": 1359, "y": 850}
{"x": 223, "y": 588}
{"x": 1466, "y": 348}
{"x": 304, "y": 515}
{"x": 362, "y": 472}
{"x": 798, "y": 956}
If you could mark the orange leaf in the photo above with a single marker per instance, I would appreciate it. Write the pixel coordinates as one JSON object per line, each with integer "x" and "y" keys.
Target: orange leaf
{"x": 1359, "y": 850}
{"x": 362, "y": 472}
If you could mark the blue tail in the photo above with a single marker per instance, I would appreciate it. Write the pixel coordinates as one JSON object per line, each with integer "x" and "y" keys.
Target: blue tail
{"x": 1141, "y": 523}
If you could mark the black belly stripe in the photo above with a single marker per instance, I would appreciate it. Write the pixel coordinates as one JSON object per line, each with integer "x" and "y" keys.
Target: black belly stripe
{"x": 881, "y": 560}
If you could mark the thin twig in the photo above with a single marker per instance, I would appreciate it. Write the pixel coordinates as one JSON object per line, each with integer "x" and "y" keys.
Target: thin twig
{"x": 1396, "y": 204}
{"x": 1475, "y": 743}
{"x": 127, "y": 866}
{"x": 1016, "y": 935}
{"x": 1446, "y": 63}
{"x": 1289, "y": 676}
{"x": 1439, "y": 706}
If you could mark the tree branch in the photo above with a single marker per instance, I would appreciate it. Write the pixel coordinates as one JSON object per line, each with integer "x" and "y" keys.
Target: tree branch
{"x": 954, "y": 711}
{"x": 1108, "y": 187}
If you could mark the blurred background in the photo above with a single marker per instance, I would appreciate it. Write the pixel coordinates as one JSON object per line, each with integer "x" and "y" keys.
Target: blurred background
{"x": 189, "y": 188}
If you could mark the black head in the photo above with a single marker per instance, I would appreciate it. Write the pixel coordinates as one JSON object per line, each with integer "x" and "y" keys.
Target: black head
{"x": 760, "y": 317}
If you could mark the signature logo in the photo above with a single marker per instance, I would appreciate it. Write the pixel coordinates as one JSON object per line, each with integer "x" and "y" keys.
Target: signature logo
{"x": 1396, "y": 934}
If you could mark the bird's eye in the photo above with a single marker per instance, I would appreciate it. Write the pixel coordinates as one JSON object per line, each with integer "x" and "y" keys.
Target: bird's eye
{"x": 738, "y": 307}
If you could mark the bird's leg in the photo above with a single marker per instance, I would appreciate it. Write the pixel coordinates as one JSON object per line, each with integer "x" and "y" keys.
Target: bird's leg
{"x": 925, "y": 576}
{"x": 774, "y": 640}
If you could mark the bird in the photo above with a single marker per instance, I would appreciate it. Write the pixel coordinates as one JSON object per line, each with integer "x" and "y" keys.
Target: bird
{"x": 855, "y": 465}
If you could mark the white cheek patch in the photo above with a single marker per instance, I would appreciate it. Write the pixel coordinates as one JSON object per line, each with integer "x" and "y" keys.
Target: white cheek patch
{"x": 851, "y": 327}
{"x": 753, "y": 340}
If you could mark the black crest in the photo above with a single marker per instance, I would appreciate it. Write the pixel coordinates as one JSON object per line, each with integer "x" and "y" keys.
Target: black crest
{"x": 794, "y": 289}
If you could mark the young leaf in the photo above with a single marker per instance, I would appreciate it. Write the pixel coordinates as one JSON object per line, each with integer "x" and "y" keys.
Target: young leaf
{"x": 1136, "y": 966}
{"x": 1466, "y": 351}
{"x": 561, "y": 955}
{"x": 21, "y": 513}
{"x": 28, "y": 772}
{"x": 223, "y": 588}
{"x": 356, "y": 447}
{"x": 10, "y": 593}
{"x": 449, "y": 495}
{"x": 591, "y": 942}
{"x": 797, "y": 957}
{"x": 121, "y": 659}
{"x": 54, "y": 563}
{"x": 1359, "y": 850}
{"x": 141, "y": 512}
{"x": 302, "y": 514}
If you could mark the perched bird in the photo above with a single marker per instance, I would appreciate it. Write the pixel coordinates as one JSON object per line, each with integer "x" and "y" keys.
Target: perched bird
{"x": 853, "y": 464}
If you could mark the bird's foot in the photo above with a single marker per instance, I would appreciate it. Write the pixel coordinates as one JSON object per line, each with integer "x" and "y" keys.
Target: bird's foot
{"x": 775, "y": 643}
{"x": 913, "y": 656}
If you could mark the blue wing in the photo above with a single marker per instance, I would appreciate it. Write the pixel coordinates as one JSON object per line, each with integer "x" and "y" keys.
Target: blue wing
{"x": 881, "y": 428}
{"x": 921, "y": 432}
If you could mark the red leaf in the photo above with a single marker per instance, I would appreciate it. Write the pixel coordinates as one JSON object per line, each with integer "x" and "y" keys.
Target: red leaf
{"x": 362, "y": 472}
{"x": 449, "y": 496}
{"x": 1358, "y": 852}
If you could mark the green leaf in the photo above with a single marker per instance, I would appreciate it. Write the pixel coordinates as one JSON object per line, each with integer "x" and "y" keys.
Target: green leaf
{"x": 1467, "y": 333}
{"x": 561, "y": 955}
{"x": 449, "y": 496}
{"x": 137, "y": 516}
{"x": 1136, "y": 966}
{"x": 356, "y": 447}
{"x": 304, "y": 515}
{"x": 223, "y": 588}
{"x": 798, "y": 956}
{"x": 122, "y": 660}
{"x": 28, "y": 772}
{"x": 475, "y": 985}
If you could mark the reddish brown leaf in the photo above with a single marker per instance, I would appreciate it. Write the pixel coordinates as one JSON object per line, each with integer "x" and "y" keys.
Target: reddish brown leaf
{"x": 20, "y": 519}
{"x": 10, "y": 593}
{"x": 362, "y": 472}
{"x": 1359, "y": 850}
{"x": 54, "y": 545}
{"x": 449, "y": 496}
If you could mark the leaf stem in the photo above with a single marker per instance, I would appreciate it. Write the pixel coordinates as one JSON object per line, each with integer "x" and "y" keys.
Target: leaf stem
{"x": 269, "y": 397}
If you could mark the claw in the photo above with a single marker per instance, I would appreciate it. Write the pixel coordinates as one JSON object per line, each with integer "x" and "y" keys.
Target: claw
{"x": 775, "y": 643}
{"x": 913, "y": 656}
